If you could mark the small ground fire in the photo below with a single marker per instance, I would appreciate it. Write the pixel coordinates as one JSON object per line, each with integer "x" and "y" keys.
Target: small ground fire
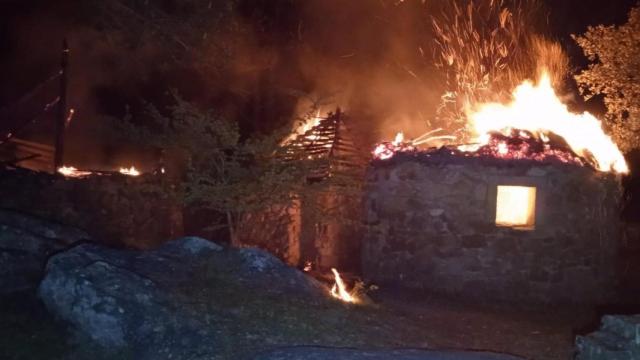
{"x": 339, "y": 289}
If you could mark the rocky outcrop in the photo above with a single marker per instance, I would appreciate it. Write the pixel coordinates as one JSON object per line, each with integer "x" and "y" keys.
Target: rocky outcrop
{"x": 617, "y": 339}
{"x": 25, "y": 244}
{"x": 157, "y": 304}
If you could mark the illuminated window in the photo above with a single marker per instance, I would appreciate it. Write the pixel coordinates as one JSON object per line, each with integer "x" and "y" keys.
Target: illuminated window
{"x": 516, "y": 206}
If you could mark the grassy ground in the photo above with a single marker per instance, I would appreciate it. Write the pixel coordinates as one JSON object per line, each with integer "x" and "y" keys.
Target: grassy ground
{"x": 397, "y": 318}
{"x": 254, "y": 322}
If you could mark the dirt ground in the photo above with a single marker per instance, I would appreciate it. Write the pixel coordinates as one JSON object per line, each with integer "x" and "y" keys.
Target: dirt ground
{"x": 533, "y": 332}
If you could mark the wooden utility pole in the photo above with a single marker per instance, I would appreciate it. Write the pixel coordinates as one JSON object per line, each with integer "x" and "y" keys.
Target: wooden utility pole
{"x": 62, "y": 109}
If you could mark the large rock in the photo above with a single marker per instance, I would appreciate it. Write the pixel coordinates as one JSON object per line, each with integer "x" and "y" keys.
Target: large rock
{"x": 617, "y": 339}
{"x": 25, "y": 244}
{"x": 319, "y": 353}
{"x": 147, "y": 303}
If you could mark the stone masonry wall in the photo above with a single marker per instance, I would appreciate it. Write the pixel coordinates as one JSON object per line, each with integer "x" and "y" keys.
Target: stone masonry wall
{"x": 113, "y": 209}
{"x": 431, "y": 225}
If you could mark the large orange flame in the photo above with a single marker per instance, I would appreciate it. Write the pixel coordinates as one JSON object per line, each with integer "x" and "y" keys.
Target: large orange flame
{"x": 537, "y": 108}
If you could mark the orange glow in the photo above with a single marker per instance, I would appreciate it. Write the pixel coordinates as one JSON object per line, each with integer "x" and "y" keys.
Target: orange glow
{"x": 339, "y": 290}
{"x": 516, "y": 206}
{"x": 537, "y": 108}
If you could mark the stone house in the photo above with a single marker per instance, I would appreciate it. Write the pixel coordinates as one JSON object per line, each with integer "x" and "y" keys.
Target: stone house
{"x": 492, "y": 228}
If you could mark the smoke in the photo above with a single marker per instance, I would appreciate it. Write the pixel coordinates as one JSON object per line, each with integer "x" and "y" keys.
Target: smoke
{"x": 261, "y": 62}
{"x": 373, "y": 58}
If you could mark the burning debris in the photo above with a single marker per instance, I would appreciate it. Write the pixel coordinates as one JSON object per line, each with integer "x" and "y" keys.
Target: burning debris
{"x": 70, "y": 171}
{"x": 387, "y": 149}
{"x": 132, "y": 171}
{"x": 522, "y": 144}
{"x": 73, "y": 172}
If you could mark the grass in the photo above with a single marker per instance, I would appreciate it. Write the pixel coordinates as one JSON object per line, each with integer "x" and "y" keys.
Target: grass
{"x": 260, "y": 320}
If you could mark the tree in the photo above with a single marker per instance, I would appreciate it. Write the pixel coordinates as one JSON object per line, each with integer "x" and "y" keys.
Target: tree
{"x": 230, "y": 175}
{"x": 615, "y": 74}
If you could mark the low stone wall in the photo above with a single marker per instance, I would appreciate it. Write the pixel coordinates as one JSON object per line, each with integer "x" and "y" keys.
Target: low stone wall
{"x": 113, "y": 209}
{"x": 431, "y": 225}
{"x": 320, "y": 231}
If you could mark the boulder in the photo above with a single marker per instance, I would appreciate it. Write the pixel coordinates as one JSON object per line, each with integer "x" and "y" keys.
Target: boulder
{"x": 320, "y": 353}
{"x": 618, "y": 338}
{"x": 26, "y": 242}
{"x": 154, "y": 303}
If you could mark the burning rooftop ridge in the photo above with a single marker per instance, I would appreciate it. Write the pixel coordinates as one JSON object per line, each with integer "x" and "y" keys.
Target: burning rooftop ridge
{"x": 515, "y": 145}
{"x": 538, "y": 109}
{"x": 522, "y": 129}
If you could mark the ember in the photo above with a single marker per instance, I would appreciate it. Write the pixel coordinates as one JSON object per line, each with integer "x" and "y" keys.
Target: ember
{"x": 521, "y": 144}
{"x": 307, "y": 266}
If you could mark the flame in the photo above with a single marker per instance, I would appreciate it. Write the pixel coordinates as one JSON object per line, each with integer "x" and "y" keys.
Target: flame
{"x": 386, "y": 150}
{"x": 132, "y": 171}
{"x": 304, "y": 127}
{"x": 399, "y": 139}
{"x": 339, "y": 290}
{"x": 70, "y": 171}
{"x": 308, "y": 265}
{"x": 538, "y": 109}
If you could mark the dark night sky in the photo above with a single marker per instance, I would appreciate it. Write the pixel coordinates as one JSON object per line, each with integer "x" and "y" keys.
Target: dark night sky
{"x": 31, "y": 33}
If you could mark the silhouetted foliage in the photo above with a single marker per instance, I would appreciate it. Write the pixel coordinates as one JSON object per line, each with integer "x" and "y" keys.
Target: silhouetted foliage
{"x": 614, "y": 73}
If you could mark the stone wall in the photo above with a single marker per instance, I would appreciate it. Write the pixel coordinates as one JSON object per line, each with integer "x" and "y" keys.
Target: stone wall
{"x": 276, "y": 230}
{"x": 431, "y": 225}
{"x": 113, "y": 209}
{"x": 308, "y": 231}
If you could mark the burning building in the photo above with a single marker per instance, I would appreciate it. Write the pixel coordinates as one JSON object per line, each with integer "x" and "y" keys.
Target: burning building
{"x": 527, "y": 214}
